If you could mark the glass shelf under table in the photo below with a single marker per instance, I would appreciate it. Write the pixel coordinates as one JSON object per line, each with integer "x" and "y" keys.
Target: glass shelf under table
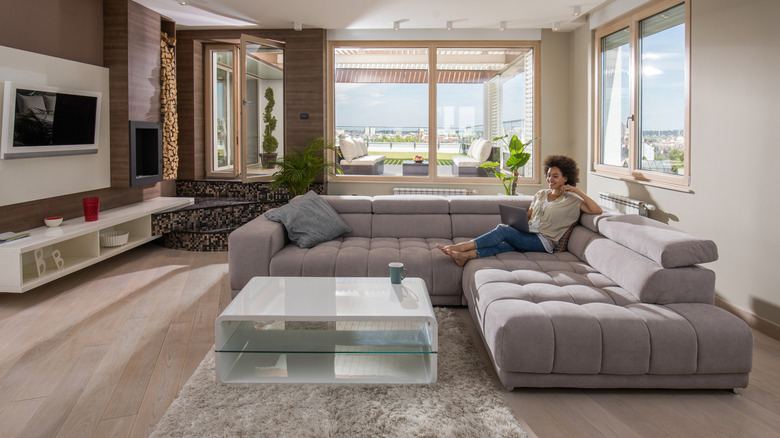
{"x": 327, "y": 352}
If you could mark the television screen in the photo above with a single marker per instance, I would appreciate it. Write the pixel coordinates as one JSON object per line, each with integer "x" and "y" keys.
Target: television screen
{"x": 43, "y": 121}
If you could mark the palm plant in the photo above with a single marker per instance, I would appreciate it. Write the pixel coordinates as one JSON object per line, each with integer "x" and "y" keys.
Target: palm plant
{"x": 299, "y": 168}
{"x": 517, "y": 159}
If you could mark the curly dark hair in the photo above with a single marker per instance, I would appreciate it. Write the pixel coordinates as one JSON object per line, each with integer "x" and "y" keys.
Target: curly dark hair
{"x": 567, "y": 165}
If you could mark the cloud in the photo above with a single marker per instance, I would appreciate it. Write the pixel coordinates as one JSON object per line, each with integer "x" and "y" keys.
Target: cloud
{"x": 649, "y": 70}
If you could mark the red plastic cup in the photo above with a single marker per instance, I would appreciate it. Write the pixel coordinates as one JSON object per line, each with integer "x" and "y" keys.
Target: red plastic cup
{"x": 91, "y": 208}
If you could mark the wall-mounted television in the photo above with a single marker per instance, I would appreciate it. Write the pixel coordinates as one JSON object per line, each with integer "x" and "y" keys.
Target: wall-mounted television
{"x": 43, "y": 121}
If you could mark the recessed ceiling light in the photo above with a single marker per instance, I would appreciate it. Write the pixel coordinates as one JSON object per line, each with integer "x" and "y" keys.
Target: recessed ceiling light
{"x": 502, "y": 26}
{"x": 183, "y": 3}
{"x": 449, "y": 25}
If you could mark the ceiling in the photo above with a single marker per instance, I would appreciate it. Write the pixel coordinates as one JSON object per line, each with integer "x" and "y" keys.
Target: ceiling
{"x": 373, "y": 14}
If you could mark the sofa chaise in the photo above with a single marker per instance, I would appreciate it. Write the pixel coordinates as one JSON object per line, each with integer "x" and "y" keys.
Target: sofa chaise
{"x": 626, "y": 306}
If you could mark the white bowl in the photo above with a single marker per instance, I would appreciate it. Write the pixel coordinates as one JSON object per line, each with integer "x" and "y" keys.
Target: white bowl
{"x": 113, "y": 238}
{"x": 54, "y": 221}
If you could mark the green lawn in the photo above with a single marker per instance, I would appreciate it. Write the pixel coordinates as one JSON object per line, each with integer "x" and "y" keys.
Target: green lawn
{"x": 443, "y": 159}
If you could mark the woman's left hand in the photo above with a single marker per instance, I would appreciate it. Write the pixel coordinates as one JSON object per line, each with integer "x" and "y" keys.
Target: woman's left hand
{"x": 567, "y": 188}
{"x": 588, "y": 205}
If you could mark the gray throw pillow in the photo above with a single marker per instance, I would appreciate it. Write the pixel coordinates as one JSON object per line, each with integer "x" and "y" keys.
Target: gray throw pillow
{"x": 309, "y": 220}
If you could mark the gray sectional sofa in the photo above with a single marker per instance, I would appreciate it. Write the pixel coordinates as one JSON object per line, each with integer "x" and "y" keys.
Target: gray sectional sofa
{"x": 628, "y": 305}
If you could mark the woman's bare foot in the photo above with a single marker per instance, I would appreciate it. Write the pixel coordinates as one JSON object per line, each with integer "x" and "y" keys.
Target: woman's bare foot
{"x": 459, "y": 257}
{"x": 444, "y": 249}
{"x": 460, "y": 247}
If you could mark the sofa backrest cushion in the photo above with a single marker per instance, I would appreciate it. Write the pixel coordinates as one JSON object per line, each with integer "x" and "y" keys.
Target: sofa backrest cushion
{"x": 665, "y": 245}
{"x": 476, "y": 144}
{"x": 591, "y": 221}
{"x": 355, "y": 211}
{"x": 482, "y": 151}
{"x": 360, "y": 146}
{"x": 411, "y": 216}
{"x": 349, "y": 149}
{"x": 473, "y": 216}
{"x": 647, "y": 280}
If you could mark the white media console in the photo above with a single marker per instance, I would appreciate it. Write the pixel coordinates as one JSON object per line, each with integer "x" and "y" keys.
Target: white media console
{"x": 51, "y": 253}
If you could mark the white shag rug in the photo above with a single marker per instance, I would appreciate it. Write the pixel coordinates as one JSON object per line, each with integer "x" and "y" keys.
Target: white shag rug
{"x": 464, "y": 402}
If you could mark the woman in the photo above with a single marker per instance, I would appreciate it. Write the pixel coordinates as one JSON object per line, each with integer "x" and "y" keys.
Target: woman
{"x": 553, "y": 211}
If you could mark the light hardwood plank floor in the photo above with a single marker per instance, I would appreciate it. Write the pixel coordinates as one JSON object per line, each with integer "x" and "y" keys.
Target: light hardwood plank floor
{"x": 104, "y": 351}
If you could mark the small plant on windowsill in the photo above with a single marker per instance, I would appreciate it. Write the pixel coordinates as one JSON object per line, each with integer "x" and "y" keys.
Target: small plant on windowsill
{"x": 299, "y": 168}
{"x": 517, "y": 159}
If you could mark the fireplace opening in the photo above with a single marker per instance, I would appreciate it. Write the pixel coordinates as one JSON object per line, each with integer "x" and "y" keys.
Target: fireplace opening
{"x": 145, "y": 152}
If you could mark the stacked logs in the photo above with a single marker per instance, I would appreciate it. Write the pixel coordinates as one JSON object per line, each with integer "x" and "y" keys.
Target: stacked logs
{"x": 170, "y": 124}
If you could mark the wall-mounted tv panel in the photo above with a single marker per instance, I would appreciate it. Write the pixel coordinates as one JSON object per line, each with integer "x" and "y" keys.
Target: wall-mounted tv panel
{"x": 41, "y": 121}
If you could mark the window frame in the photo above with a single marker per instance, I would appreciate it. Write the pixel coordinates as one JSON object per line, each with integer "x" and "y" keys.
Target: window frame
{"x": 633, "y": 172}
{"x": 433, "y": 47}
{"x": 234, "y": 170}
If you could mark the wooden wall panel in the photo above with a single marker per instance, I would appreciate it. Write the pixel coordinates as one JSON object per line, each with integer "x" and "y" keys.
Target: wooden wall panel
{"x": 143, "y": 53}
{"x": 131, "y": 42}
{"x": 68, "y": 29}
{"x": 189, "y": 53}
{"x": 115, "y": 57}
{"x": 305, "y": 56}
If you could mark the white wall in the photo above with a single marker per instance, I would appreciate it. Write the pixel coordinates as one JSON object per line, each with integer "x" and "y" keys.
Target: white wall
{"x": 735, "y": 94}
{"x": 29, "y": 179}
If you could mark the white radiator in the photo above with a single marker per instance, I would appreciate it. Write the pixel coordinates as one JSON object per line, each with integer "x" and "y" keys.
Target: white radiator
{"x": 430, "y": 191}
{"x": 624, "y": 204}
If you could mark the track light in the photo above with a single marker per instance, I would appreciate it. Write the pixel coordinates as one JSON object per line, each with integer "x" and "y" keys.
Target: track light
{"x": 298, "y": 26}
{"x": 576, "y": 11}
{"x": 556, "y": 26}
{"x": 397, "y": 23}
{"x": 502, "y": 26}
{"x": 449, "y": 25}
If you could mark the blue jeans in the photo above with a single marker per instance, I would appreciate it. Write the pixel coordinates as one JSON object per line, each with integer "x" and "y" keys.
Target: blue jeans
{"x": 505, "y": 238}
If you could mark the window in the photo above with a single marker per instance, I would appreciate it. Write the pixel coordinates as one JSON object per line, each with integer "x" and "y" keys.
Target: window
{"x": 383, "y": 95}
{"x": 245, "y": 114}
{"x": 220, "y": 159}
{"x": 642, "y": 88}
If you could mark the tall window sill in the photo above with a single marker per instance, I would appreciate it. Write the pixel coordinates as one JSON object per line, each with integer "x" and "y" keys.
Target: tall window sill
{"x": 649, "y": 183}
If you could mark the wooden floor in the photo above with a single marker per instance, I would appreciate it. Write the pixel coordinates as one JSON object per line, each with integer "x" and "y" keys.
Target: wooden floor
{"x": 104, "y": 351}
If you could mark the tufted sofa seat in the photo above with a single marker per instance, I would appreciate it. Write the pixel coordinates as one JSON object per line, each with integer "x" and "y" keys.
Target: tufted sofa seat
{"x": 628, "y": 305}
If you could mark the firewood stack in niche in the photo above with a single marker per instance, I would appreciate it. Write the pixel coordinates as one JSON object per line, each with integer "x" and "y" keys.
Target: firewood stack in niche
{"x": 170, "y": 119}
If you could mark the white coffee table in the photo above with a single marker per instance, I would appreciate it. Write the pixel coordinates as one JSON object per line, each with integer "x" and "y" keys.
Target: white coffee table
{"x": 327, "y": 330}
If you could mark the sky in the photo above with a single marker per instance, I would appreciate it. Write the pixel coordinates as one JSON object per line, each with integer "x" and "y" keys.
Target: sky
{"x": 406, "y": 105}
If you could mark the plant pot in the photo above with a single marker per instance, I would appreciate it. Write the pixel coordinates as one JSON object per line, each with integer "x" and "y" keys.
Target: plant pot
{"x": 266, "y": 159}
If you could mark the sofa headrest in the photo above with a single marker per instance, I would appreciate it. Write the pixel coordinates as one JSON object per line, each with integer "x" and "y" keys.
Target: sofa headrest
{"x": 666, "y": 245}
{"x": 349, "y": 204}
{"x": 411, "y": 204}
{"x": 469, "y": 204}
{"x": 591, "y": 221}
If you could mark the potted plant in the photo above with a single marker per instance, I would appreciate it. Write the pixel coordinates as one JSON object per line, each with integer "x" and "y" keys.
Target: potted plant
{"x": 300, "y": 168}
{"x": 270, "y": 143}
{"x": 517, "y": 159}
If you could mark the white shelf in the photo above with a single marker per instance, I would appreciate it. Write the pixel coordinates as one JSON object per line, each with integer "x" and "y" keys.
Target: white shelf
{"x": 78, "y": 243}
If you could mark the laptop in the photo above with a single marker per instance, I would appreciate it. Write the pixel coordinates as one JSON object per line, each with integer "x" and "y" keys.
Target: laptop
{"x": 515, "y": 217}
